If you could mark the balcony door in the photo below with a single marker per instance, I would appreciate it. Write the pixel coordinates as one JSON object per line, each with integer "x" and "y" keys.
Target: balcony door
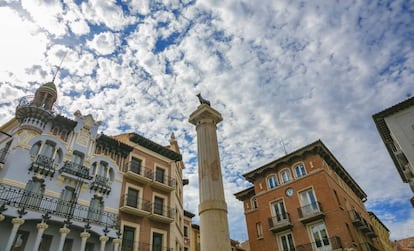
{"x": 320, "y": 237}
{"x": 309, "y": 203}
{"x": 279, "y": 211}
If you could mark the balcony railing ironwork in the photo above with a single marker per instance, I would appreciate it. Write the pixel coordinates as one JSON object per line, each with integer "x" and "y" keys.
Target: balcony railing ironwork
{"x": 20, "y": 198}
{"x": 280, "y": 222}
{"x": 328, "y": 244}
{"x": 101, "y": 184}
{"x": 366, "y": 246}
{"x": 76, "y": 170}
{"x": 166, "y": 180}
{"x": 141, "y": 170}
{"x": 311, "y": 212}
{"x": 161, "y": 210}
{"x": 27, "y": 101}
{"x": 133, "y": 201}
{"x": 43, "y": 165}
{"x": 130, "y": 245}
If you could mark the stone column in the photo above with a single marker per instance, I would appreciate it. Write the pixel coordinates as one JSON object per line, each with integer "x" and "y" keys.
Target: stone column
{"x": 103, "y": 240}
{"x": 64, "y": 231}
{"x": 41, "y": 227}
{"x": 17, "y": 222}
{"x": 85, "y": 236}
{"x": 214, "y": 228}
{"x": 116, "y": 243}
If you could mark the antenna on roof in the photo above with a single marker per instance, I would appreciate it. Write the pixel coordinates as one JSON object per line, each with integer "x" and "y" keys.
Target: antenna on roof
{"x": 284, "y": 146}
{"x": 58, "y": 67}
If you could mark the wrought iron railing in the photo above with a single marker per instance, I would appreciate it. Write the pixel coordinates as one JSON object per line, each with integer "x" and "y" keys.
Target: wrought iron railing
{"x": 309, "y": 210}
{"x": 141, "y": 170}
{"x": 130, "y": 245}
{"x": 165, "y": 179}
{"x": 27, "y": 101}
{"x": 76, "y": 170}
{"x": 327, "y": 244}
{"x": 278, "y": 220}
{"x": 43, "y": 165}
{"x": 133, "y": 201}
{"x": 162, "y": 210}
{"x": 20, "y": 198}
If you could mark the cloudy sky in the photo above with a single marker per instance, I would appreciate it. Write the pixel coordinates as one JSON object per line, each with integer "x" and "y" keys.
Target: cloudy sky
{"x": 278, "y": 71}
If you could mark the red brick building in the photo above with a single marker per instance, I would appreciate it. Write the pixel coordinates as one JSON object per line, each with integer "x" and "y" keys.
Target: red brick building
{"x": 305, "y": 201}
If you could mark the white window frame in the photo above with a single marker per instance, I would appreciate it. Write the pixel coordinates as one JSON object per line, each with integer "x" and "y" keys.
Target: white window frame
{"x": 272, "y": 181}
{"x": 280, "y": 241}
{"x": 302, "y": 170}
{"x": 282, "y": 176}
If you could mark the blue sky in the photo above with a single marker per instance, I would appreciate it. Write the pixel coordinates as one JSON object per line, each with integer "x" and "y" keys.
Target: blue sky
{"x": 295, "y": 71}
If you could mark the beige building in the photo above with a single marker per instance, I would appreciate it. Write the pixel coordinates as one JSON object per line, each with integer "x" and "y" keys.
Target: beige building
{"x": 396, "y": 127}
{"x": 383, "y": 234}
{"x": 151, "y": 201}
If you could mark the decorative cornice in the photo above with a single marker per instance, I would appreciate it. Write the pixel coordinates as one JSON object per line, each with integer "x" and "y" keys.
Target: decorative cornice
{"x": 151, "y": 145}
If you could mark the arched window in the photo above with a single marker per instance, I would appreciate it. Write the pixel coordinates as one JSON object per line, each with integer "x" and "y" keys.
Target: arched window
{"x": 300, "y": 170}
{"x": 272, "y": 181}
{"x": 286, "y": 176}
{"x": 48, "y": 149}
{"x": 35, "y": 149}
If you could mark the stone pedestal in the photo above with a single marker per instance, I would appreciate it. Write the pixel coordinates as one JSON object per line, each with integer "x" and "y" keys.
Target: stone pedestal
{"x": 214, "y": 229}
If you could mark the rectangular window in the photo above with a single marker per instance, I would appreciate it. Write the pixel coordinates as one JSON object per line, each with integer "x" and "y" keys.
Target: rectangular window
{"x": 33, "y": 194}
{"x": 67, "y": 246}
{"x": 185, "y": 231}
{"x": 286, "y": 242}
{"x": 159, "y": 174}
{"x": 286, "y": 177}
{"x": 158, "y": 205}
{"x": 64, "y": 205}
{"x": 128, "y": 238}
{"x": 320, "y": 237}
{"x": 135, "y": 165}
{"x": 96, "y": 208}
{"x": 259, "y": 230}
{"x": 20, "y": 240}
{"x": 132, "y": 198}
{"x": 156, "y": 241}
{"x": 89, "y": 246}
{"x": 309, "y": 203}
{"x": 279, "y": 212}
{"x": 254, "y": 203}
{"x": 45, "y": 243}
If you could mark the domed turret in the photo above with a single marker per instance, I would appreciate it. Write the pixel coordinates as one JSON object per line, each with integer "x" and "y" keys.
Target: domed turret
{"x": 35, "y": 112}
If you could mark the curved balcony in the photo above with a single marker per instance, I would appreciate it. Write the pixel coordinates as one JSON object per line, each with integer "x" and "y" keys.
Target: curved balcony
{"x": 75, "y": 171}
{"x": 33, "y": 116}
{"x": 43, "y": 165}
{"x": 20, "y": 198}
{"x": 101, "y": 184}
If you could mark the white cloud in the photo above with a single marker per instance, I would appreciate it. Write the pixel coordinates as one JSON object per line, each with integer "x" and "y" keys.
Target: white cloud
{"x": 104, "y": 43}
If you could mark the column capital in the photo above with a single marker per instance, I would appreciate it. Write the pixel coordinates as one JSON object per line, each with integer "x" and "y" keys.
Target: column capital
{"x": 17, "y": 221}
{"x": 85, "y": 235}
{"x": 42, "y": 225}
{"x": 116, "y": 241}
{"x": 2, "y": 217}
{"x": 104, "y": 238}
{"x": 64, "y": 230}
{"x": 205, "y": 112}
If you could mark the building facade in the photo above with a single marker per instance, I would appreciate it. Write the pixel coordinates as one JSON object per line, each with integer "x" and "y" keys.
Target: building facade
{"x": 64, "y": 186}
{"x": 151, "y": 204}
{"x": 382, "y": 232}
{"x": 306, "y": 201}
{"x": 59, "y": 179}
{"x": 396, "y": 128}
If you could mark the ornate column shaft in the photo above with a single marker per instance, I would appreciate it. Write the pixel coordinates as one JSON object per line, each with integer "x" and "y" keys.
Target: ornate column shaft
{"x": 64, "y": 231}
{"x": 116, "y": 243}
{"x": 85, "y": 236}
{"x": 17, "y": 222}
{"x": 103, "y": 240}
{"x": 214, "y": 234}
{"x": 41, "y": 227}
